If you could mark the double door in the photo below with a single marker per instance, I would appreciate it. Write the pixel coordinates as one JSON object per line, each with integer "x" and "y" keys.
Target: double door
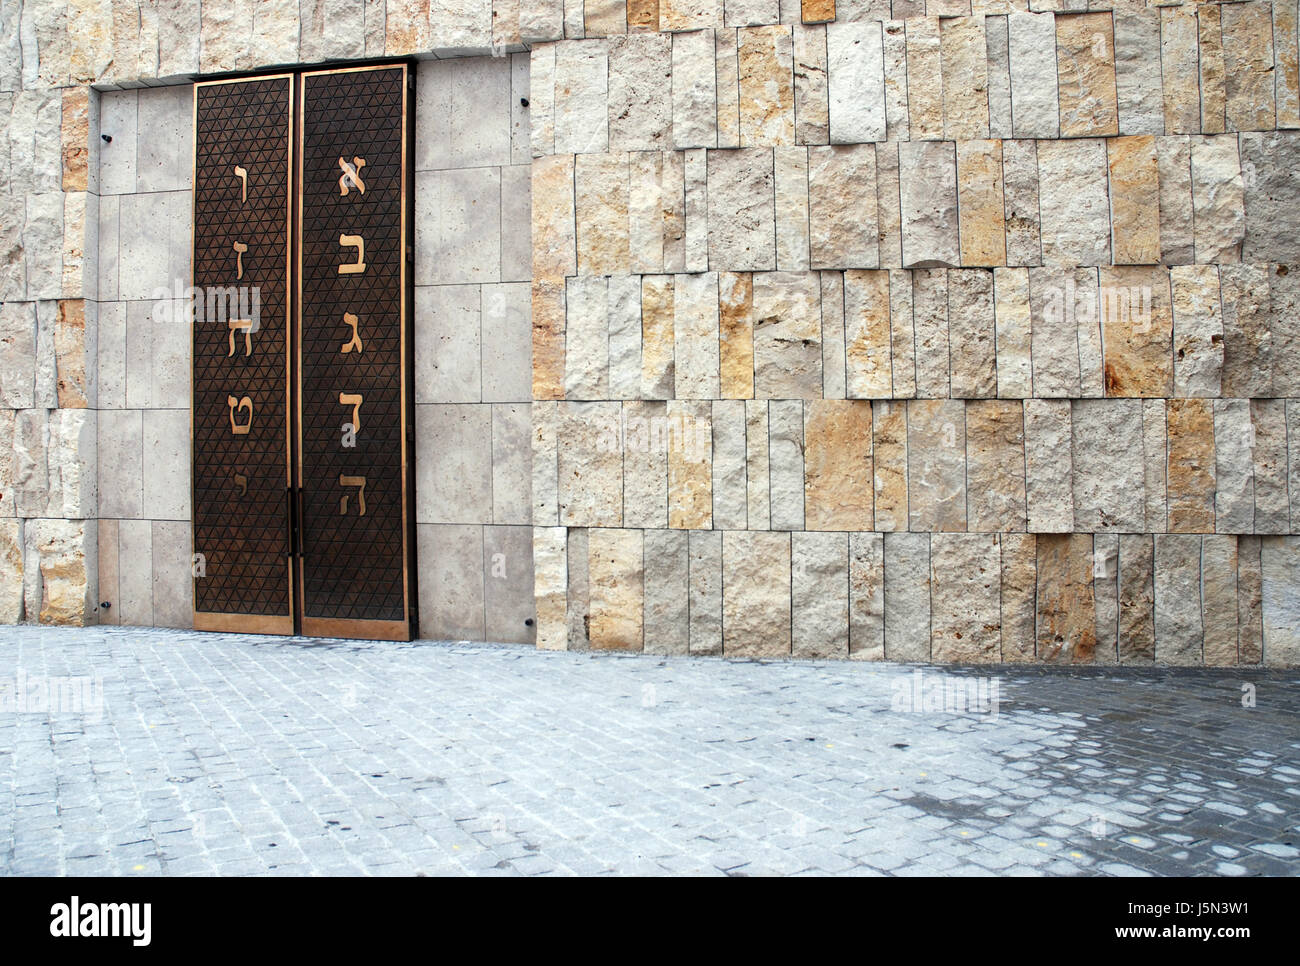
{"x": 302, "y": 431}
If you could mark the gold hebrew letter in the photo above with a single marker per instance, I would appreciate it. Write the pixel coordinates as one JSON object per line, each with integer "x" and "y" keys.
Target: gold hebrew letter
{"x": 359, "y": 243}
{"x": 359, "y": 481}
{"x": 240, "y": 248}
{"x": 238, "y": 405}
{"x": 351, "y": 175}
{"x": 353, "y": 321}
{"x": 354, "y": 400}
{"x": 242, "y": 174}
{"x": 241, "y": 481}
{"x": 247, "y": 326}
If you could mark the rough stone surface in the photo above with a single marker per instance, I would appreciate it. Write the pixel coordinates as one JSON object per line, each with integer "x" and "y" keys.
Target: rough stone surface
{"x": 1191, "y": 466}
{"x": 907, "y": 596}
{"x": 981, "y": 203}
{"x": 1066, "y": 621}
{"x": 1134, "y": 200}
{"x": 965, "y": 595}
{"x": 928, "y": 190}
{"x": 1073, "y": 201}
{"x": 1137, "y": 326}
{"x": 837, "y": 465}
{"x": 756, "y": 594}
{"x": 1049, "y": 473}
{"x": 787, "y": 335}
{"x": 695, "y": 336}
{"x": 741, "y": 217}
{"x": 811, "y": 95}
{"x": 1034, "y": 94}
{"x": 1217, "y": 199}
{"x": 819, "y": 591}
{"x": 1280, "y": 567}
{"x": 667, "y": 592}
{"x": 973, "y": 369}
{"x": 1108, "y": 465}
{"x": 936, "y": 450}
{"x": 855, "y": 53}
{"x": 705, "y": 603}
{"x": 766, "y": 65}
{"x": 1020, "y": 176}
{"x": 1179, "y": 629}
{"x": 1271, "y": 165}
{"x": 995, "y": 473}
{"x": 842, "y": 211}
{"x": 785, "y": 464}
{"x": 1248, "y": 66}
{"x": 867, "y": 596}
{"x": 964, "y": 56}
{"x": 615, "y": 576}
{"x": 1012, "y": 332}
{"x": 694, "y": 91}
{"x": 690, "y": 470}
{"x": 889, "y": 452}
{"x": 925, "y": 78}
{"x": 730, "y": 495}
{"x": 1234, "y": 473}
{"x": 1198, "y": 330}
{"x": 867, "y": 334}
{"x": 640, "y": 92}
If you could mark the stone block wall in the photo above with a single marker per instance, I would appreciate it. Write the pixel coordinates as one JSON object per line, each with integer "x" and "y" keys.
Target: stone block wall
{"x": 948, "y": 331}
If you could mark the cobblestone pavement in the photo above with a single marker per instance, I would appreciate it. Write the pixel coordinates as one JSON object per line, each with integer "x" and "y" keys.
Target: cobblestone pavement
{"x": 243, "y": 755}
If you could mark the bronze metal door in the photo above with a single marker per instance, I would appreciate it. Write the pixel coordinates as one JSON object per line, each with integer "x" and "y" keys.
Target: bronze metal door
{"x": 243, "y": 165}
{"x": 302, "y": 429}
{"x": 353, "y": 424}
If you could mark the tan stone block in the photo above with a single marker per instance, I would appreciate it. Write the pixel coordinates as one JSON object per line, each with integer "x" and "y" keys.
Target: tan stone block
{"x": 1020, "y": 178}
{"x": 581, "y": 97}
{"x": 1286, "y": 72}
{"x": 586, "y": 338}
{"x": 1191, "y": 466}
{"x": 1049, "y": 470}
{"x": 726, "y": 69}
{"x": 1134, "y": 199}
{"x": 756, "y": 465}
{"x": 667, "y": 592}
{"x": 1219, "y": 599}
{"x": 1269, "y": 457}
{"x": 640, "y": 89}
{"x": 1179, "y": 61}
{"x": 730, "y": 494}
{"x": 787, "y": 335}
{"x": 766, "y": 63}
{"x": 1155, "y": 444}
{"x": 1218, "y": 201}
{"x": 928, "y": 204}
{"x": 838, "y": 489}
{"x": 590, "y": 465}
{"x": 673, "y": 199}
{"x": 736, "y": 334}
{"x": 548, "y": 338}
{"x": 1139, "y": 87}
{"x": 1054, "y": 311}
{"x": 897, "y": 121}
{"x": 550, "y": 585}
{"x": 1179, "y": 631}
{"x": 843, "y": 224}
{"x": 811, "y": 104}
{"x": 690, "y": 465}
{"x": 1242, "y": 312}
{"x": 1067, "y": 631}
{"x": 677, "y": 15}
{"x": 1137, "y": 326}
{"x": 785, "y": 464}
{"x": 696, "y": 111}
{"x": 705, "y": 595}
{"x": 995, "y": 451}
{"x": 695, "y": 336}
{"x": 965, "y": 598}
{"x": 604, "y": 18}
{"x": 1248, "y": 66}
{"x": 819, "y": 591}
{"x": 1074, "y": 202}
{"x": 902, "y": 334}
{"x": 615, "y": 577}
{"x": 1105, "y": 590}
{"x": 554, "y": 217}
{"x": 981, "y": 203}
{"x": 867, "y": 334}
{"x": 643, "y": 15}
{"x": 888, "y": 201}
{"x": 889, "y": 452}
{"x": 59, "y": 563}
{"x": 1035, "y": 100}
{"x": 925, "y": 79}
{"x": 545, "y": 421}
{"x": 1250, "y": 600}
{"x": 866, "y": 596}
{"x": 1198, "y": 331}
{"x": 756, "y": 594}
{"x": 741, "y": 216}
{"x": 964, "y": 59}
{"x": 1012, "y": 330}
{"x": 1210, "y": 57}
{"x": 75, "y": 132}
{"x": 907, "y": 596}
{"x": 601, "y": 189}
{"x": 972, "y": 356}
{"x": 1174, "y": 159}
{"x": 1019, "y": 567}
{"x": 834, "y": 365}
{"x": 817, "y": 11}
{"x": 11, "y": 571}
{"x": 1136, "y": 568}
{"x": 936, "y": 465}
{"x": 930, "y": 319}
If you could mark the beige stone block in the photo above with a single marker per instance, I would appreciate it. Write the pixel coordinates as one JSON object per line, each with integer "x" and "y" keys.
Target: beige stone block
{"x": 981, "y": 203}
{"x": 548, "y": 323}
{"x": 1049, "y": 473}
{"x": 965, "y": 598}
{"x": 667, "y": 592}
{"x": 696, "y": 222}
{"x": 1234, "y": 476}
{"x": 581, "y": 97}
{"x": 689, "y": 14}
{"x": 730, "y": 493}
{"x": 1179, "y": 63}
{"x": 1137, "y": 326}
{"x": 1155, "y": 443}
{"x": 545, "y": 468}
{"x": 1134, "y": 200}
{"x": 1210, "y": 58}
{"x": 1219, "y": 600}
{"x": 694, "y": 90}
{"x": 11, "y": 571}
{"x": 690, "y": 465}
{"x": 1020, "y": 186}
{"x": 756, "y": 594}
{"x": 1074, "y": 202}
{"x": 838, "y": 488}
{"x": 736, "y": 334}
{"x": 902, "y": 334}
{"x": 889, "y": 209}
{"x": 1218, "y": 203}
{"x": 1019, "y": 577}
{"x": 889, "y": 460}
{"x": 642, "y": 15}
{"x": 586, "y": 336}
{"x": 1179, "y": 628}
{"x": 658, "y": 339}
{"x": 1250, "y": 600}
{"x": 1067, "y": 631}
{"x": 550, "y": 583}
{"x": 1198, "y": 330}
{"x": 741, "y": 216}
{"x": 866, "y": 596}
{"x": 1085, "y": 58}
{"x": 590, "y": 462}
{"x": 1191, "y": 472}
{"x": 758, "y": 514}
{"x": 930, "y": 320}
{"x": 615, "y": 578}
{"x": 867, "y": 336}
{"x": 577, "y": 615}
{"x": 1105, "y": 588}
{"x": 995, "y": 453}
{"x": 907, "y": 596}
{"x": 705, "y": 600}
{"x": 1034, "y": 75}
{"x": 1139, "y": 87}
{"x": 1055, "y": 307}
{"x": 811, "y": 96}
{"x": 726, "y": 68}
{"x": 1108, "y": 465}
{"x": 843, "y": 223}
{"x": 640, "y": 90}
{"x": 964, "y": 56}
{"x": 1268, "y": 431}
{"x": 1012, "y": 332}
{"x": 1248, "y": 65}
{"x": 928, "y": 202}
{"x": 1272, "y": 191}
{"x": 1286, "y": 71}
{"x": 972, "y": 365}
{"x": 785, "y": 458}
{"x": 766, "y": 64}
{"x": 1174, "y": 160}
{"x": 647, "y": 436}
{"x": 1136, "y": 566}
{"x": 604, "y": 18}
{"x": 1242, "y": 299}
{"x": 787, "y": 335}
{"x": 541, "y": 100}
{"x": 897, "y": 121}
{"x": 792, "y": 224}
{"x": 819, "y": 591}
{"x": 1280, "y": 566}
{"x": 554, "y": 217}
{"x": 925, "y": 79}
{"x": 648, "y": 195}
{"x": 695, "y": 336}
{"x": 817, "y": 11}
{"x": 59, "y": 571}
{"x": 936, "y": 455}
{"x": 601, "y": 189}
